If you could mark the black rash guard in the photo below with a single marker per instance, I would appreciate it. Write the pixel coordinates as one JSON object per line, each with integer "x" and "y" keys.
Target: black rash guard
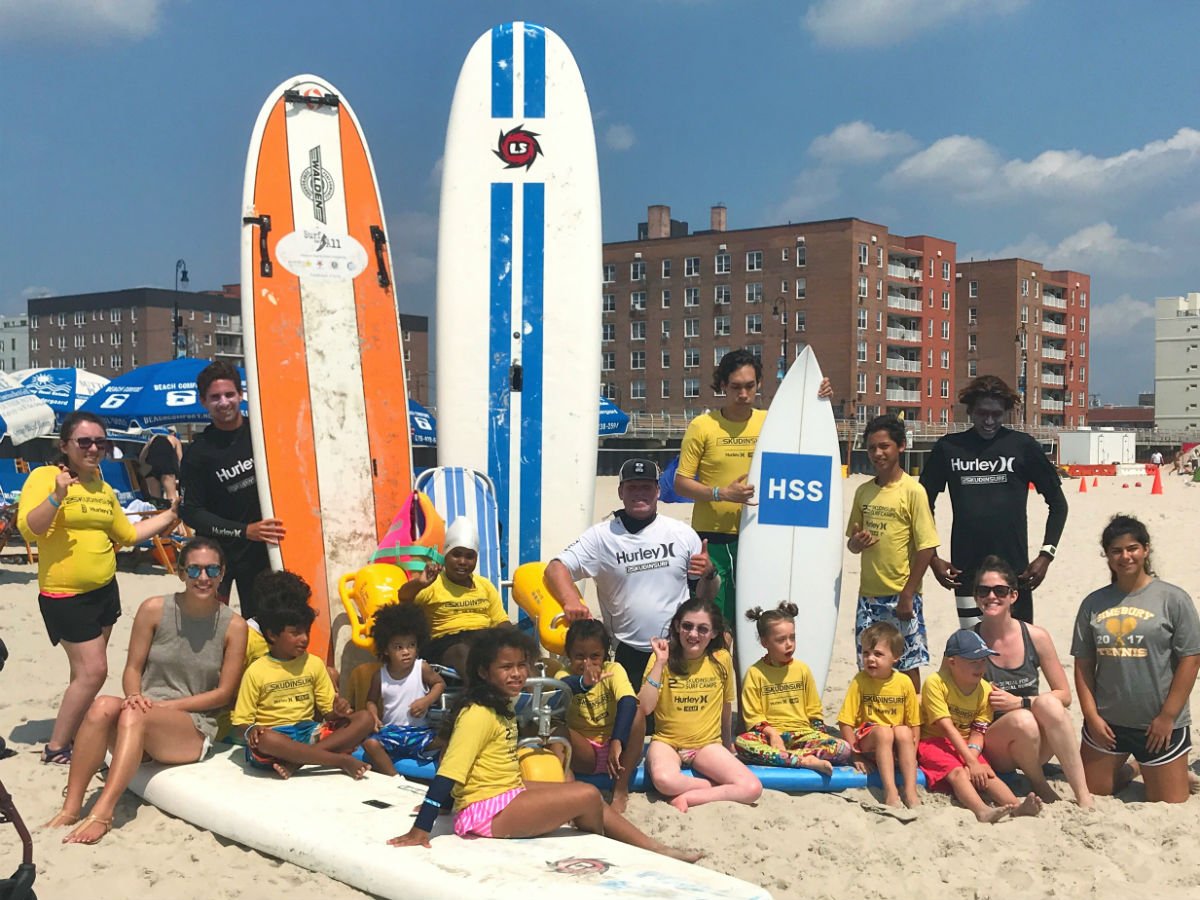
{"x": 989, "y": 490}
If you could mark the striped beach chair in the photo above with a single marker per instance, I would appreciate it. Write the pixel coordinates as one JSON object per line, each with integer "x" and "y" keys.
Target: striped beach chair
{"x": 455, "y": 492}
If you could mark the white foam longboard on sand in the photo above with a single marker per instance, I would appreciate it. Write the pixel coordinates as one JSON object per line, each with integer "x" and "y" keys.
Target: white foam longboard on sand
{"x": 344, "y": 830}
{"x": 790, "y": 544}
{"x": 518, "y": 298}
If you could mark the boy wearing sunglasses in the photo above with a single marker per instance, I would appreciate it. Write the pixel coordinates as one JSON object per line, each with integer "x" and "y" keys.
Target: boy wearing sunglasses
{"x": 891, "y": 525}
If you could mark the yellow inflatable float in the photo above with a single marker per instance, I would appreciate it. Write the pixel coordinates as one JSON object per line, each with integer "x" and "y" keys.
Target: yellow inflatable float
{"x": 531, "y": 594}
{"x": 364, "y": 592}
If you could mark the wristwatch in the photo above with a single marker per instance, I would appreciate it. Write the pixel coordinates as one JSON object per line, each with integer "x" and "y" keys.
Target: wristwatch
{"x": 1049, "y": 550}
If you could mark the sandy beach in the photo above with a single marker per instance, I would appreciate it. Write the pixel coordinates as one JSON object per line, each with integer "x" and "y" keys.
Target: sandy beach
{"x": 813, "y": 846}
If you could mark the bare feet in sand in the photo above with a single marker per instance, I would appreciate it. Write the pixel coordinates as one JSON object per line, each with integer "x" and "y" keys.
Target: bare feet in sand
{"x": 1046, "y": 793}
{"x": 62, "y": 820}
{"x": 620, "y": 800}
{"x": 688, "y": 856}
{"x": 891, "y": 797}
{"x": 912, "y": 798}
{"x": 680, "y": 803}
{"x": 993, "y": 814}
{"x": 1030, "y": 806}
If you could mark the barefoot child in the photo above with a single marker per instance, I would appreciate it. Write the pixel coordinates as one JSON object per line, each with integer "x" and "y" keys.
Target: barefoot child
{"x": 284, "y": 694}
{"x": 605, "y": 726}
{"x": 688, "y": 685}
{"x": 479, "y": 768}
{"x": 402, "y": 691}
{"x": 956, "y": 714}
{"x": 881, "y": 718}
{"x": 780, "y": 705}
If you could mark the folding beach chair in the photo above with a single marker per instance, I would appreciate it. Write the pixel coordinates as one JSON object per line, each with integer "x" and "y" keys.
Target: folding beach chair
{"x": 12, "y": 479}
{"x": 117, "y": 475}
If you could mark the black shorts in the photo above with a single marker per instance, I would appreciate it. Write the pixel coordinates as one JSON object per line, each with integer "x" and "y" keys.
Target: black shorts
{"x": 1132, "y": 742}
{"x": 161, "y": 458}
{"x": 436, "y": 649}
{"x": 82, "y": 617}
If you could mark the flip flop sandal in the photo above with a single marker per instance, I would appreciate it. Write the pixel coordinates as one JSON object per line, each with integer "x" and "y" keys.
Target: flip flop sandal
{"x": 84, "y": 823}
{"x": 59, "y": 757}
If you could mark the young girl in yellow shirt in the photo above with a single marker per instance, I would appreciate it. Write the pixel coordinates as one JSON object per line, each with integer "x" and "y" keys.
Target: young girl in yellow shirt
{"x": 689, "y": 687}
{"x": 480, "y": 771}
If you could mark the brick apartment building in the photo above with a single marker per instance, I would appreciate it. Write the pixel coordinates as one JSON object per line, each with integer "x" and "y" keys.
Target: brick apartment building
{"x": 876, "y": 307}
{"x": 115, "y": 331}
{"x": 1028, "y": 325}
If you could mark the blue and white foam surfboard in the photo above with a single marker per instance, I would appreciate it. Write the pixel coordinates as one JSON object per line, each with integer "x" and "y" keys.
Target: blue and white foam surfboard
{"x": 518, "y": 292}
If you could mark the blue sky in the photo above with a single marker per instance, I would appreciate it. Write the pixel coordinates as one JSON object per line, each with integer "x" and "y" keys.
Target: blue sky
{"x": 1062, "y": 131}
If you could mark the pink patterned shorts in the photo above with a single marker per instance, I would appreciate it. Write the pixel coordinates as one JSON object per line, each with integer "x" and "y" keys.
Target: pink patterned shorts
{"x": 476, "y": 818}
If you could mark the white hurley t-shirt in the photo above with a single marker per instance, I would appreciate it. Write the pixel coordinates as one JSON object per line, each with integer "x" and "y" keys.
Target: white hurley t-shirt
{"x": 641, "y": 579}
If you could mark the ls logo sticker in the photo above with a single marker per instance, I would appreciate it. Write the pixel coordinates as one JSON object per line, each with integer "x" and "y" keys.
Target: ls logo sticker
{"x": 794, "y": 490}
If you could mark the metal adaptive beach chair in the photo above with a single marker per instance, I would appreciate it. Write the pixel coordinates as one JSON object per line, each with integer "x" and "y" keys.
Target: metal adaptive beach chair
{"x": 13, "y": 473}
{"x": 456, "y": 491}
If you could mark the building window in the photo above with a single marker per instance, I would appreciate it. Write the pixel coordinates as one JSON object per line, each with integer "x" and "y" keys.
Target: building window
{"x": 783, "y": 254}
{"x": 666, "y": 268}
{"x": 754, "y": 292}
{"x": 608, "y": 361}
{"x": 864, "y": 254}
{"x": 666, "y": 389}
{"x": 691, "y": 387}
{"x": 972, "y": 343}
{"x": 945, "y": 330}
{"x": 931, "y": 327}
{"x": 722, "y": 294}
{"x": 754, "y": 323}
{"x": 945, "y": 389}
{"x": 1082, "y": 374}
{"x": 972, "y": 315}
{"x": 719, "y": 354}
{"x": 1024, "y": 287}
{"x": 665, "y": 359}
{"x": 945, "y": 359}
{"x": 207, "y": 340}
{"x": 944, "y": 416}
{"x": 666, "y": 299}
{"x": 721, "y": 264}
{"x": 637, "y": 270}
{"x": 862, "y": 319}
{"x": 879, "y": 321}
{"x": 1083, "y": 300}
{"x": 691, "y": 357}
{"x": 972, "y": 288}
{"x": 879, "y": 384}
{"x": 862, "y": 382}
{"x": 33, "y": 344}
{"x": 691, "y": 266}
{"x": 972, "y": 368}
{"x": 62, "y": 320}
{"x": 133, "y": 318}
{"x": 879, "y": 353}
{"x": 878, "y": 289}
{"x": 931, "y": 298}
{"x": 754, "y": 260}
{"x": 115, "y": 362}
{"x": 637, "y": 331}
{"x": 610, "y": 273}
{"x": 932, "y": 266}
{"x": 80, "y": 341}
{"x": 33, "y": 323}
{"x": 1083, "y": 326}
{"x": 863, "y": 285}
{"x": 801, "y": 323}
{"x": 862, "y": 351}
{"x": 666, "y": 328}
{"x": 945, "y": 271}
{"x": 637, "y": 359}
{"x": 637, "y": 389}
{"x": 608, "y": 332}
{"x": 755, "y": 350}
{"x": 721, "y": 325}
{"x": 637, "y": 300}
{"x": 608, "y": 303}
{"x": 801, "y": 288}
{"x": 945, "y": 299}
{"x": 691, "y": 327}
{"x": 879, "y": 257}
{"x": 691, "y": 296}
{"x": 608, "y": 390}
{"x": 1082, "y": 348}
{"x": 801, "y": 253}
{"x": 80, "y": 318}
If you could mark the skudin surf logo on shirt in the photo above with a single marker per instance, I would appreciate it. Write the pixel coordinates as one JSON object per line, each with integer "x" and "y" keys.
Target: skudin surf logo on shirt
{"x": 984, "y": 471}
{"x": 646, "y": 557}
{"x": 518, "y": 147}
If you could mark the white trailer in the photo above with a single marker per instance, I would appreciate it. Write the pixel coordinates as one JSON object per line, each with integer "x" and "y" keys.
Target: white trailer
{"x": 1090, "y": 447}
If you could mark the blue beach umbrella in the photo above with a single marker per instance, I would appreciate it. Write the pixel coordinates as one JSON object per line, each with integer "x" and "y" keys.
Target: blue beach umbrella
{"x": 158, "y": 394}
{"x": 23, "y": 415}
{"x": 64, "y": 390}
{"x": 422, "y": 425}
{"x": 613, "y": 420}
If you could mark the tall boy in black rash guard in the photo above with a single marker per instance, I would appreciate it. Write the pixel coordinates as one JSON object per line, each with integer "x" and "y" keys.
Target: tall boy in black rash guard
{"x": 220, "y": 493}
{"x": 988, "y": 470}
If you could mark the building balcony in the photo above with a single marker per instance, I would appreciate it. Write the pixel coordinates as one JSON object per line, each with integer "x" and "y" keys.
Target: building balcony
{"x": 1055, "y": 302}
{"x": 900, "y": 364}
{"x": 1053, "y": 380}
{"x": 899, "y": 395}
{"x": 1051, "y": 353}
{"x": 904, "y": 273}
{"x": 1053, "y": 327}
{"x": 903, "y": 334}
{"x": 1052, "y": 405}
{"x": 899, "y": 301}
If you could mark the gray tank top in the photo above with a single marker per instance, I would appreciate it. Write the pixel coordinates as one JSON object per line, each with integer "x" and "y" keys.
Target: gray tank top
{"x": 185, "y": 659}
{"x": 1024, "y": 680}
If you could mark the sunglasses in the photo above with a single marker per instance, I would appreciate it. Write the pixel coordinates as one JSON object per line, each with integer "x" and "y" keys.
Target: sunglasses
{"x": 1002, "y": 591}
{"x": 701, "y": 630}
{"x": 212, "y": 571}
{"x": 87, "y": 443}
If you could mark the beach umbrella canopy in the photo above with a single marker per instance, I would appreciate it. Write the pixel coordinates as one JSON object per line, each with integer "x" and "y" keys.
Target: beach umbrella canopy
{"x": 161, "y": 393}
{"x": 422, "y": 425}
{"x": 23, "y": 415}
{"x": 613, "y": 420}
{"x": 64, "y": 390}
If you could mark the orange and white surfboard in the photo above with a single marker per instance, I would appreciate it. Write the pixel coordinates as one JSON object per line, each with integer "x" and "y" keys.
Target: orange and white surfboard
{"x": 324, "y": 352}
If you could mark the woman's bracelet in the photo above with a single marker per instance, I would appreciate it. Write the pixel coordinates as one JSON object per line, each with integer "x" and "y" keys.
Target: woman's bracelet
{"x": 653, "y": 683}
{"x": 716, "y": 493}
{"x": 975, "y": 747}
{"x": 56, "y": 503}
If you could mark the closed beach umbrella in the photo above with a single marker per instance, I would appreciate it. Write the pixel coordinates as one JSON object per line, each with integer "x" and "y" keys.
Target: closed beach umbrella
{"x": 158, "y": 394}
{"x": 23, "y": 415}
{"x": 422, "y": 425}
{"x": 613, "y": 420}
{"x": 64, "y": 390}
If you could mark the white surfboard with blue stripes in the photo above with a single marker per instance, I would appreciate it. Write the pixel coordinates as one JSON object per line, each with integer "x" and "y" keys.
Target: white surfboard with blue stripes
{"x": 518, "y": 294}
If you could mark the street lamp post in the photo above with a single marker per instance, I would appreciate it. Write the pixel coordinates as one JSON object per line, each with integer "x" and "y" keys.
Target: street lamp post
{"x": 1020, "y": 340}
{"x": 181, "y": 277}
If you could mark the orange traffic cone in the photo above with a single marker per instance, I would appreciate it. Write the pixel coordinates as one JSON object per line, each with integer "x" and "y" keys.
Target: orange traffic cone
{"x": 1095, "y": 481}
{"x": 1137, "y": 484}
{"x": 1083, "y": 485}
{"x": 1157, "y": 489}
{"x": 1125, "y": 485}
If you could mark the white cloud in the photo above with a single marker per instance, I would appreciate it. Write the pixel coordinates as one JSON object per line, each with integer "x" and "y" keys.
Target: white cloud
{"x": 1114, "y": 318}
{"x": 90, "y": 21}
{"x": 412, "y": 237}
{"x": 34, "y": 291}
{"x": 1096, "y": 248}
{"x": 875, "y": 23}
{"x": 811, "y": 193}
{"x": 974, "y": 170}
{"x": 619, "y": 137}
{"x": 1182, "y": 215}
{"x": 859, "y": 142}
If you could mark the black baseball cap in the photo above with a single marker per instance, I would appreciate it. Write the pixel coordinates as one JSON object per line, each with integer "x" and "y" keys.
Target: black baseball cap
{"x": 638, "y": 470}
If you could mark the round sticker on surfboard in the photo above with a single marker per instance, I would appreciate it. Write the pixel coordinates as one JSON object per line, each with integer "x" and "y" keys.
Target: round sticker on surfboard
{"x": 320, "y": 253}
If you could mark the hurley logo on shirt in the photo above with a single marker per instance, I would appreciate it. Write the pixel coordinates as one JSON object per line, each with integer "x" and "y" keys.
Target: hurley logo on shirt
{"x": 1003, "y": 464}
{"x": 647, "y": 557}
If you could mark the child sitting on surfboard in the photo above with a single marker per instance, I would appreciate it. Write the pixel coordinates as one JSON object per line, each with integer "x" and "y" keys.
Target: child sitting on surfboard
{"x": 955, "y": 713}
{"x": 881, "y": 717}
{"x": 458, "y": 603}
{"x": 480, "y": 770}
{"x": 402, "y": 691}
{"x": 891, "y": 525}
{"x": 605, "y": 726}
{"x": 688, "y": 686}
{"x": 780, "y": 704}
{"x": 306, "y": 723}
